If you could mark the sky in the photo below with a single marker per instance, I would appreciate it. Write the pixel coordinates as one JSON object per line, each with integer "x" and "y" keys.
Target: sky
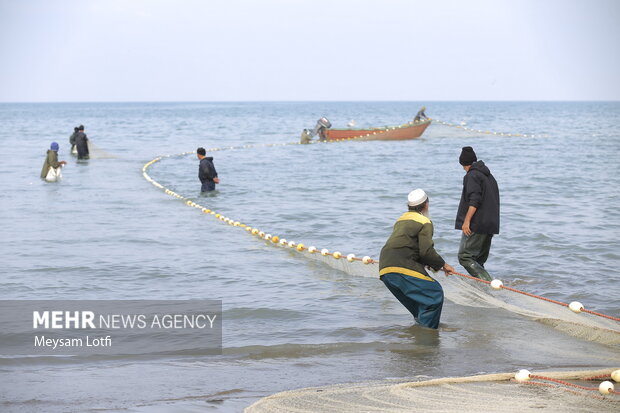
{"x": 316, "y": 50}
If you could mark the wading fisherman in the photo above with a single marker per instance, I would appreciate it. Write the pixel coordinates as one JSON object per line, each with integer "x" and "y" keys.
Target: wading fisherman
{"x": 305, "y": 138}
{"x": 51, "y": 160}
{"x": 72, "y": 138}
{"x": 478, "y": 214}
{"x": 81, "y": 142}
{"x": 403, "y": 260}
{"x": 206, "y": 171}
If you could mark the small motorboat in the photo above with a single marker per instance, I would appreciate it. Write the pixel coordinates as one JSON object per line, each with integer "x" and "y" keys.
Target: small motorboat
{"x": 410, "y": 130}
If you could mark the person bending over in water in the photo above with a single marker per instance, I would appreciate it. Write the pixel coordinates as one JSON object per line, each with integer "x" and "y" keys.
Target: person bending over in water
{"x": 76, "y": 130}
{"x": 403, "y": 260}
{"x": 51, "y": 160}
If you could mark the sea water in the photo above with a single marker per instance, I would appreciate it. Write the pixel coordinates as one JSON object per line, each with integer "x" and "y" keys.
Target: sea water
{"x": 289, "y": 322}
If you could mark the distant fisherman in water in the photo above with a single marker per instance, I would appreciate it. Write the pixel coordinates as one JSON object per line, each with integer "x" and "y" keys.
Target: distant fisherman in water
{"x": 403, "y": 260}
{"x": 81, "y": 142}
{"x": 420, "y": 115}
{"x": 51, "y": 160}
{"x": 478, "y": 214}
{"x": 206, "y": 171}
{"x": 76, "y": 130}
{"x": 305, "y": 137}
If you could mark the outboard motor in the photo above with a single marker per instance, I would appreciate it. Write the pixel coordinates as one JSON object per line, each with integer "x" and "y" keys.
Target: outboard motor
{"x": 320, "y": 127}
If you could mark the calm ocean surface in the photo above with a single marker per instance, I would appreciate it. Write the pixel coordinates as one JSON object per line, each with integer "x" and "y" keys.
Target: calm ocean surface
{"x": 106, "y": 233}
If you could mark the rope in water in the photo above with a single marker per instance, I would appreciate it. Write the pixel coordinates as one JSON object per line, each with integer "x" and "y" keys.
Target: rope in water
{"x": 300, "y": 247}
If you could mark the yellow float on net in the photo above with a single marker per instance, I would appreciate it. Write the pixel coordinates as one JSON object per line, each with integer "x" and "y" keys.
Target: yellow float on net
{"x": 300, "y": 247}
{"x": 337, "y": 255}
{"x": 254, "y": 231}
{"x": 248, "y": 229}
{"x": 217, "y": 216}
{"x": 275, "y": 239}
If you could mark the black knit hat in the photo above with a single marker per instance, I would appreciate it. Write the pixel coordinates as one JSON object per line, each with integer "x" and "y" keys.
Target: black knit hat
{"x": 468, "y": 156}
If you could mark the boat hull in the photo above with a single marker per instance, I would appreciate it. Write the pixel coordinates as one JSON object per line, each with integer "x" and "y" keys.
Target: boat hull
{"x": 407, "y": 131}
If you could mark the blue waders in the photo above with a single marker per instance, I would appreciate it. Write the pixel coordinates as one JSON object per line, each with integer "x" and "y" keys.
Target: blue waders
{"x": 423, "y": 299}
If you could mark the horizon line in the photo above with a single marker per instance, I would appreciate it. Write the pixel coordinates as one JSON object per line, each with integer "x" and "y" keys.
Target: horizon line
{"x": 315, "y": 101}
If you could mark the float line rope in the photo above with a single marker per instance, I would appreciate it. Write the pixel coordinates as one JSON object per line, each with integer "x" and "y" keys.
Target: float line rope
{"x": 537, "y": 296}
{"x": 565, "y": 383}
{"x": 301, "y": 247}
{"x": 605, "y": 387}
{"x": 570, "y": 390}
{"x": 601, "y": 376}
{"x": 487, "y": 132}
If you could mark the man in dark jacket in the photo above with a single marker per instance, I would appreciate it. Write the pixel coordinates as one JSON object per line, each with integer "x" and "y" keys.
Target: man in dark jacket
{"x": 81, "y": 143}
{"x": 206, "y": 171}
{"x": 403, "y": 260}
{"x": 420, "y": 116}
{"x": 76, "y": 130}
{"x": 478, "y": 214}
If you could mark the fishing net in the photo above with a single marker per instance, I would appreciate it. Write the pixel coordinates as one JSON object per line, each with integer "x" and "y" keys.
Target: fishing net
{"x": 462, "y": 129}
{"x": 457, "y": 289}
{"x": 582, "y": 325}
{"x": 471, "y": 293}
{"x": 95, "y": 152}
{"x": 492, "y": 392}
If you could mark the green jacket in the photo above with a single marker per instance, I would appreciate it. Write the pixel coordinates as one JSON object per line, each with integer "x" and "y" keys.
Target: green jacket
{"x": 410, "y": 248}
{"x": 51, "y": 160}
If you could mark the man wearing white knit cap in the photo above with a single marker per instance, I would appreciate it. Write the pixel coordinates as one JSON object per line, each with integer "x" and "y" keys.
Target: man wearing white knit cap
{"x": 404, "y": 258}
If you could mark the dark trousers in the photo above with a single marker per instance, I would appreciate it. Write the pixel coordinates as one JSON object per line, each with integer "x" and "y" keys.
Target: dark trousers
{"x": 473, "y": 253}
{"x": 423, "y": 299}
{"x": 82, "y": 149}
{"x": 207, "y": 186}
